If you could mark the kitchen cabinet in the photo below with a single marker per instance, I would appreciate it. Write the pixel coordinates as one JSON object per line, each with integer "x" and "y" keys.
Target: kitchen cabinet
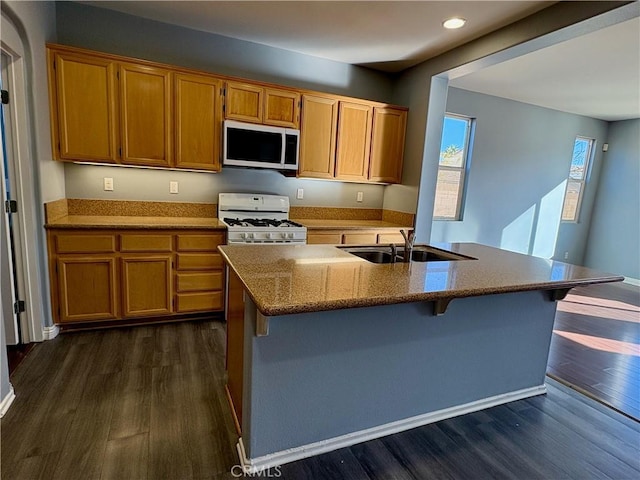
{"x": 145, "y": 115}
{"x": 85, "y": 109}
{"x": 362, "y": 236}
{"x": 198, "y": 117}
{"x": 118, "y": 110}
{"x": 354, "y": 141}
{"x": 130, "y": 274}
{"x": 199, "y": 277}
{"x": 318, "y": 131}
{"x": 249, "y": 102}
{"x": 387, "y": 145}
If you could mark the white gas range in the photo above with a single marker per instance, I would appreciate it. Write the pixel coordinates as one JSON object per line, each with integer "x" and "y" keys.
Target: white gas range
{"x": 259, "y": 219}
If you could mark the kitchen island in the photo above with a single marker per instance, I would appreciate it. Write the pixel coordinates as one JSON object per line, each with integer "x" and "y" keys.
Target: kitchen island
{"x": 326, "y": 349}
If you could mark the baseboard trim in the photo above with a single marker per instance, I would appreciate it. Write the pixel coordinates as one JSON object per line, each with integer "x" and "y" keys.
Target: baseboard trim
{"x": 632, "y": 281}
{"x": 49, "y": 333}
{"x": 7, "y": 401}
{"x": 260, "y": 464}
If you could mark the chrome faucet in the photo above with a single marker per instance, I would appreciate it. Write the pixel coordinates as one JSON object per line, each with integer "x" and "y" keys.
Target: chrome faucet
{"x": 394, "y": 252}
{"x": 409, "y": 238}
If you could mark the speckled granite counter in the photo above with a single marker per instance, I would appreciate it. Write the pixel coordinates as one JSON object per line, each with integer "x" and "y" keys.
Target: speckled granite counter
{"x": 285, "y": 280}
{"x": 134, "y": 222}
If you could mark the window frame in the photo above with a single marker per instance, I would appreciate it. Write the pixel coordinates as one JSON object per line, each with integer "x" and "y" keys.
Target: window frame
{"x": 583, "y": 181}
{"x": 468, "y": 141}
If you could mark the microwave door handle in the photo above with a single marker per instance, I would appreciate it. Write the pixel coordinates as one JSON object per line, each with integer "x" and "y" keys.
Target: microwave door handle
{"x": 283, "y": 150}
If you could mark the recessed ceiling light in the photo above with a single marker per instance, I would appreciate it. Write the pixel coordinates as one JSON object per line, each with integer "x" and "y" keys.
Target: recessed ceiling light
{"x": 455, "y": 22}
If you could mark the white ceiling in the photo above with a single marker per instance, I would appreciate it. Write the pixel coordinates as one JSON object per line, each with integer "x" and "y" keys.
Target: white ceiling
{"x": 596, "y": 75}
{"x": 386, "y": 35}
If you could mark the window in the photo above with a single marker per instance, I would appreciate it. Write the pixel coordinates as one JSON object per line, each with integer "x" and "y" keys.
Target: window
{"x": 582, "y": 149}
{"x": 454, "y": 152}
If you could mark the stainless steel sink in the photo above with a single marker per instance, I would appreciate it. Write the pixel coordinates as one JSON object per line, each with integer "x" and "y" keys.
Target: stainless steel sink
{"x": 420, "y": 253}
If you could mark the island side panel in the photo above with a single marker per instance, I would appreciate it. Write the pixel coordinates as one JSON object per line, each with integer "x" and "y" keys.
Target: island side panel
{"x": 320, "y": 375}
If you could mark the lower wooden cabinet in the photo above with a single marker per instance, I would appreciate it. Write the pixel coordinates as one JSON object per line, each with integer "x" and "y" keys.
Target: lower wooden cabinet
{"x": 111, "y": 275}
{"x": 353, "y": 237}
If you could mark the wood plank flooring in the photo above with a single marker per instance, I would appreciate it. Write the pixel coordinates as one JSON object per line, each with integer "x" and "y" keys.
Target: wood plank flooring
{"x": 149, "y": 403}
{"x": 596, "y": 344}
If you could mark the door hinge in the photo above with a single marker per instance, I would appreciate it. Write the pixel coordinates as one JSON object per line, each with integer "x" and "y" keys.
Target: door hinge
{"x": 5, "y": 97}
{"x": 18, "y": 307}
{"x": 10, "y": 206}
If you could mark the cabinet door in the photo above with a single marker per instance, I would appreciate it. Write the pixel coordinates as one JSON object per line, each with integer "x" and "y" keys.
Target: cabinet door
{"x": 244, "y": 102}
{"x": 333, "y": 238}
{"x": 146, "y": 285}
{"x": 86, "y": 106}
{"x": 318, "y": 137}
{"x": 145, "y": 115}
{"x": 281, "y": 108}
{"x": 354, "y": 140}
{"x": 359, "y": 238}
{"x": 197, "y": 122}
{"x": 86, "y": 288}
{"x": 387, "y": 145}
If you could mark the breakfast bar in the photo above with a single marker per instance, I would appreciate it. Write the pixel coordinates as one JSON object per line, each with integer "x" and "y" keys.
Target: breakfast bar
{"x": 326, "y": 349}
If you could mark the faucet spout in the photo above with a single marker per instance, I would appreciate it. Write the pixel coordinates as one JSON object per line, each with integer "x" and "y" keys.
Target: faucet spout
{"x": 409, "y": 238}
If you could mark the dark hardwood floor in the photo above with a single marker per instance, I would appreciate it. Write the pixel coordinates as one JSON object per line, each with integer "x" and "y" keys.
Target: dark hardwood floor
{"x": 596, "y": 344}
{"x": 149, "y": 403}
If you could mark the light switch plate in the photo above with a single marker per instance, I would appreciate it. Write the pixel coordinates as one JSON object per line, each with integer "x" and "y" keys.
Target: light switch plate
{"x": 173, "y": 187}
{"x": 359, "y": 197}
{"x": 108, "y": 184}
{"x": 300, "y": 194}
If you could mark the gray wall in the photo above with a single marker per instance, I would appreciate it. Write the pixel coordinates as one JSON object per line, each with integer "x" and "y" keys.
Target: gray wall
{"x": 519, "y": 166}
{"x": 559, "y": 22}
{"x": 614, "y": 235}
{"x": 114, "y": 32}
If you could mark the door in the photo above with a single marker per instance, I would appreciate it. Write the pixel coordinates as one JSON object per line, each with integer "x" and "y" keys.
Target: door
{"x": 86, "y": 106}
{"x": 318, "y": 136}
{"x": 145, "y": 115}
{"x": 387, "y": 145}
{"x": 198, "y": 122}
{"x": 146, "y": 285}
{"x": 354, "y": 140}
{"x": 9, "y": 273}
{"x": 87, "y": 288}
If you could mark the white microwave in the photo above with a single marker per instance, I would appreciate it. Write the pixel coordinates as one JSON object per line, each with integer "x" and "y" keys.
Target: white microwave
{"x": 260, "y": 146}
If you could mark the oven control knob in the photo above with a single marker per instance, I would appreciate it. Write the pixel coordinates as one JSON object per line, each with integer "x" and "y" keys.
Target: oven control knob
{"x": 283, "y": 235}
{"x": 290, "y": 234}
{"x": 243, "y": 235}
{"x": 269, "y": 236}
{"x": 249, "y": 235}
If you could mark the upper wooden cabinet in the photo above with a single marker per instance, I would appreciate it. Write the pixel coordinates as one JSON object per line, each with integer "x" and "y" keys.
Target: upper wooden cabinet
{"x": 318, "y": 129}
{"x": 145, "y": 112}
{"x": 118, "y": 110}
{"x": 387, "y": 145}
{"x": 197, "y": 121}
{"x": 86, "y": 107}
{"x": 248, "y": 102}
{"x": 354, "y": 141}
{"x": 369, "y": 145}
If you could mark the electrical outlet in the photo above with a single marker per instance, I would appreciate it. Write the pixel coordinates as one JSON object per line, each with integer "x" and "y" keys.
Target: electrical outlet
{"x": 359, "y": 197}
{"x": 108, "y": 184}
{"x": 173, "y": 187}
{"x": 300, "y": 194}
{"x": 566, "y": 255}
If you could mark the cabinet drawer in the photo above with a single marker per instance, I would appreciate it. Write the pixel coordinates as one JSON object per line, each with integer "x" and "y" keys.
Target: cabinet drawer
{"x": 145, "y": 243}
{"x": 85, "y": 243}
{"x": 390, "y": 238}
{"x": 199, "y": 243}
{"x": 326, "y": 238}
{"x": 195, "y": 302}
{"x": 199, "y": 261}
{"x": 197, "y": 282}
{"x": 359, "y": 238}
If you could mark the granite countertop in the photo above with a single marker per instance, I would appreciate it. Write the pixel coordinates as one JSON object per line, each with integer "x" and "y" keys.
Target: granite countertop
{"x": 347, "y": 224}
{"x": 135, "y": 222}
{"x": 285, "y": 280}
